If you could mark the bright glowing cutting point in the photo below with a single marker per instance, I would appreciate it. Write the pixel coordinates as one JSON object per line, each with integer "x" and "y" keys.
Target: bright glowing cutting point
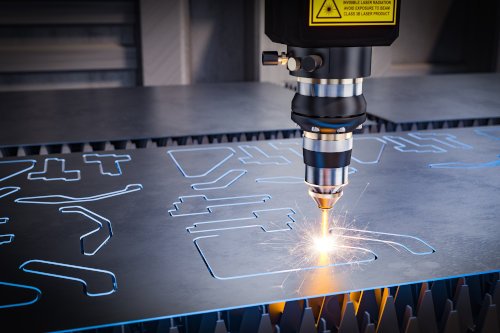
{"x": 324, "y": 244}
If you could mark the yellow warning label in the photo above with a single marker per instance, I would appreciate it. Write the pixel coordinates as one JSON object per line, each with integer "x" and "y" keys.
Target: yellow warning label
{"x": 352, "y": 12}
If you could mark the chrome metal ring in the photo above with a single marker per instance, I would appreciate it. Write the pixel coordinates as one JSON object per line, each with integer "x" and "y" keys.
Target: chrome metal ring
{"x": 327, "y": 176}
{"x": 340, "y": 89}
{"x": 328, "y": 146}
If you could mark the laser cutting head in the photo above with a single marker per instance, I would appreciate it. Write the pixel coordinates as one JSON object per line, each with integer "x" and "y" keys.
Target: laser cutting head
{"x": 329, "y": 47}
{"x": 326, "y": 159}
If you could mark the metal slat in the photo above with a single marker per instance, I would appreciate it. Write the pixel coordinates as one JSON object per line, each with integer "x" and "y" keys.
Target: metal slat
{"x": 66, "y": 58}
{"x": 66, "y": 12}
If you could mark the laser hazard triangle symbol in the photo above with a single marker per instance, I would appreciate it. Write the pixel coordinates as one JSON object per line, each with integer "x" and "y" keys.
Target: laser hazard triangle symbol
{"x": 328, "y": 10}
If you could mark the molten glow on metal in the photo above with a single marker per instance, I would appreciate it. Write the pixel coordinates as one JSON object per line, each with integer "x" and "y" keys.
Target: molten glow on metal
{"x": 324, "y": 243}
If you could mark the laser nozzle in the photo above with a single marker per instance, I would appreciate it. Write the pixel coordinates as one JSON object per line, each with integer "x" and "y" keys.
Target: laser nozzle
{"x": 325, "y": 200}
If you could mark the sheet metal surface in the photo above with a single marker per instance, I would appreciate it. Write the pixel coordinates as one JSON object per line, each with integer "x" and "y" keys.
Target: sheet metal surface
{"x": 154, "y": 233}
{"x": 96, "y": 115}
{"x": 434, "y": 97}
{"x": 81, "y": 116}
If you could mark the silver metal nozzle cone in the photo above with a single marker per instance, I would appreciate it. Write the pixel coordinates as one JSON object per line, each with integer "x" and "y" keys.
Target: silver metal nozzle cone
{"x": 325, "y": 200}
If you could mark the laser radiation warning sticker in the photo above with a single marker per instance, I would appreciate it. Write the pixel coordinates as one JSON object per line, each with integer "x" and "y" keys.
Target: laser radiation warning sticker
{"x": 352, "y": 12}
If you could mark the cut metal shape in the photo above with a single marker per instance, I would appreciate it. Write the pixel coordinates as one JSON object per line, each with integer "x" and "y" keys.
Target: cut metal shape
{"x": 5, "y": 191}
{"x": 10, "y": 169}
{"x": 412, "y": 244}
{"x": 270, "y": 220}
{"x": 92, "y": 241}
{"x": 15, "y": 295}
{"x": 438, "y": 141}
{"x": 464, "y": 165}
{"x": 213, "y": 158}
{"x": 405, "y": 145}
{"x": 269, "y": 255}
{"x": 86, "y": 276}
{"x": 222, "y": 182}
{"x": 281, "y": 180}
{"x": 6, "y": 239}
{"x": 371, "y": 155}
{"x": 445, "y": 139}
{"x": 294, "y": 147}
{"x": 255, "y": 155}
{"x": 55, "y": 169}
{"x": 59, "y": 199}
{"x": 109, "y": 164}
{"x": 200, "y": 204}
{"x": 492, "y": 133}
{"x": 291, "y": 247}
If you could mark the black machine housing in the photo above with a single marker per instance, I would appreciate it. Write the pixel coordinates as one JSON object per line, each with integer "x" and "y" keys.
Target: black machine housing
{"x": 287, "y": 22}
{"x": 345, "y": 53}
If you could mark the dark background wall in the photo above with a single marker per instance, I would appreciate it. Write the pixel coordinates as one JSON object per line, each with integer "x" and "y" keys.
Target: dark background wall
{"x": 68, "y": 44}
{"x": 49, "y": 44}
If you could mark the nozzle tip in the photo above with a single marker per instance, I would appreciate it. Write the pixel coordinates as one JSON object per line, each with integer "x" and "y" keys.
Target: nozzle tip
{"x": 325, "y": 201}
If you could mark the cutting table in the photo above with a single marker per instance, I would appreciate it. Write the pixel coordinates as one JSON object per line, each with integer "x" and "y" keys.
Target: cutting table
{"x": 95, "y": 239}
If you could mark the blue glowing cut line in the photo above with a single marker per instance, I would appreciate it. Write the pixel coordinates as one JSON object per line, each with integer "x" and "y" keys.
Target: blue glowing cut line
{"x": 280, "y": 180}
{"x": 450, "y": 140}
{"x": 9, "y": 190}
{"x": 6, "y": 239}
{"x": 379, "y": 156}
{"x": 402, "y": 147}
{"x": 118, "y": 159}
{"x": 203, "y": 186}
{"x": 100, "y": 220}
{"x": 376, "y": 233}
{"x": 192, "y": 230}
{"x": 37, "y": 297}
{"x": 185, "y": 174}
{"x": 263, "y": 198}
{"x": 58, "y": 199}
{"x": 249, "y": 157}
{"x": 489, "y": 133}
{"x": 291, "y": 270}
{"x": 83, "y": 282}
{"x": 39, "y": 175}
{"x": 33, "y": 162}
{"x": 462, "y": 165}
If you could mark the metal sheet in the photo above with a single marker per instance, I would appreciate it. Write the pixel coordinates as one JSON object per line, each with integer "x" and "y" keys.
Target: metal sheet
{"x": 154, "y": 233}
{"x": 433, "y": 98}
{"x": 124, "y": 114}
{"x": 82, "y": 116}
